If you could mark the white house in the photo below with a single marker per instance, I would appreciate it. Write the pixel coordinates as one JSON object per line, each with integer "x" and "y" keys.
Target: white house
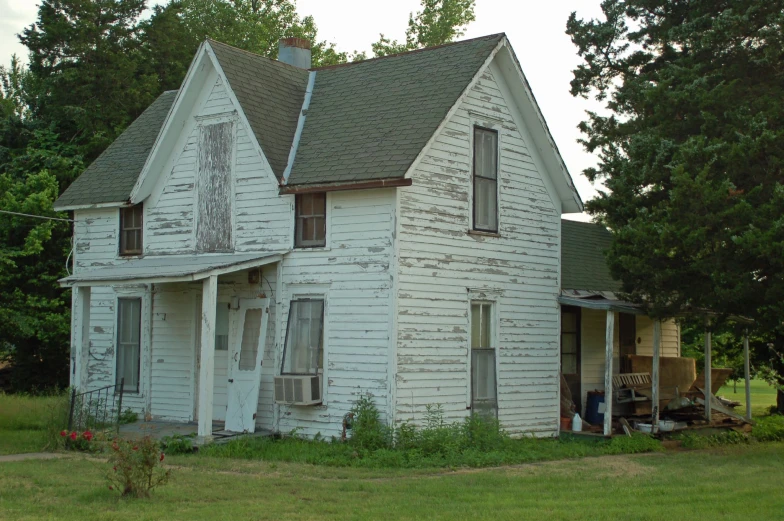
{"x": 271, "y": 241}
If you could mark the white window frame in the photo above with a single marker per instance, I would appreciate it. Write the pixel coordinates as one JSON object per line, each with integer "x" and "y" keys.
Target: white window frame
{"x": 120, "y": 254}
{"x": 297, "y": 291}
{"x": 327, "y": 232}
{"x": 494, "y": 337}
{"x": 326, "y": 223}
{"x": 144, "y": 294}
{"x": 486, "y": 124}
{"x": 202, "y": 121}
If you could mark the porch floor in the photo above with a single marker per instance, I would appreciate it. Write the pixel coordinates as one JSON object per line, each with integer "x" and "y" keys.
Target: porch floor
{"x": 160, "y": 429}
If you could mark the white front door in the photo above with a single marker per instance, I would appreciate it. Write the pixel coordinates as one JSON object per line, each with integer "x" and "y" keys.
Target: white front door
{"x": 247, "y": 334}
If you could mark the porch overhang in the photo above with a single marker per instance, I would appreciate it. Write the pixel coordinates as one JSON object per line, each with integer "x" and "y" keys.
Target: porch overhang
{"x": 170, "y": 268}
{"x": 604, "y": 301}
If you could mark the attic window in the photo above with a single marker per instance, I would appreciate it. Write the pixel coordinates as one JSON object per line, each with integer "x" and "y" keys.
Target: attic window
{"x": 310, "y": 228}
{"x": 131, "y": 230}
{"x": 485, "y": 180}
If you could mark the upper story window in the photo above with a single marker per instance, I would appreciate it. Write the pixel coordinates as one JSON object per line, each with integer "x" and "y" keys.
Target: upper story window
{"x": 310, "y": 227}
{"x": 485, "y": 180}
{"x": 131, "y": 230}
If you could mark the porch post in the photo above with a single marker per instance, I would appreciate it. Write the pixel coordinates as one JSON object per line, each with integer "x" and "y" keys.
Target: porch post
{"x": 747, "y": 374}
{"x": 707, "y": 371}
{"x": 655, "y": 374}
{"x": 608, "y": 372}
{"x": 207, "y": 355}
{"x": 80, "y": 335}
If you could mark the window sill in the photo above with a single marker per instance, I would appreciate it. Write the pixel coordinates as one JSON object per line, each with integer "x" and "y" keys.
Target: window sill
{"x": 480, "y": 233}
{"x": 130, "y": 256}
{"x": 312, "y": 248}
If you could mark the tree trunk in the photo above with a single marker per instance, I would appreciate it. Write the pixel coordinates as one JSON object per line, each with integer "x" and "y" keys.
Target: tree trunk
{"x": 780, "y": 401}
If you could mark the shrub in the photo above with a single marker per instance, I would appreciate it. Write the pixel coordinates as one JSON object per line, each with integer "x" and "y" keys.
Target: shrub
{"x": 128, "y": 416}
{"x": 769, "y": 428}
{"x": 136, "y": 467}
{"x": 178, "y": 444}
{"x": 368, "y": 432}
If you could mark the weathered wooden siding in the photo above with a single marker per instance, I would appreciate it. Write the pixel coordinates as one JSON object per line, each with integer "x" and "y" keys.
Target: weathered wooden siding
{"x": 670, "y": 341}
{"x": 353, "y": 271}
{"x": 439, "y": 263}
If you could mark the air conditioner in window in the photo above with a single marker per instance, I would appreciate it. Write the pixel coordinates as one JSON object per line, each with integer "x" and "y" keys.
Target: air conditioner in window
{"x": 298, "y": 389}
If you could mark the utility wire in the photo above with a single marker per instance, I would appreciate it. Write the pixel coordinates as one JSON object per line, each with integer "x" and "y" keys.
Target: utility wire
{"x": 37, "y": 216}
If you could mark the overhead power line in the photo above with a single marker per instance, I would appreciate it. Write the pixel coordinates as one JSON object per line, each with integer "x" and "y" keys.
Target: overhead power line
{"x": 37, "y": 216}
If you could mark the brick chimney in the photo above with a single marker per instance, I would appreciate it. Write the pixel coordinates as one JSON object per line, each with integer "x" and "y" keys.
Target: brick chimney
{"x": 294, "y": 51}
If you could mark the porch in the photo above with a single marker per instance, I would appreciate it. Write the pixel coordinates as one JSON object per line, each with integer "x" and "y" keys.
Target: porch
{"x": 677, "y": 394}
{"x": 188, "y": 334}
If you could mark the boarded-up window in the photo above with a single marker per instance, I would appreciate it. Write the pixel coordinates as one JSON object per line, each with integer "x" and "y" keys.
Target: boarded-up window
{"x": 303, "y": 352}
{"x": 311, "y": 220}
{"x": 485, "y": 179}
{"x": 131, "y": 230}
{"x": 483, "y": 381}
{"x": 214, "y": 227}
{"x": 129, "y": 313}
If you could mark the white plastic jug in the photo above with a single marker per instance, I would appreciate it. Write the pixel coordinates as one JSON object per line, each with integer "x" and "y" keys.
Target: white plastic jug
{"x": 577, "y": 423}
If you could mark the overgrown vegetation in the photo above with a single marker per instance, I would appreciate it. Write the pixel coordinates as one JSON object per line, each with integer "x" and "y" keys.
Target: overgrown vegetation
{"x": 32, "y": 423}
{"x": 473, "y": 442}
{"x": 136, "y": 467}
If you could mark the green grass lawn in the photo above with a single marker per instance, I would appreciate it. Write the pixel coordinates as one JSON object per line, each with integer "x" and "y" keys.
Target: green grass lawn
{"x": 763, "y": 396}
{"x": 678, "y": 485}
{"x": 27, "y": 422}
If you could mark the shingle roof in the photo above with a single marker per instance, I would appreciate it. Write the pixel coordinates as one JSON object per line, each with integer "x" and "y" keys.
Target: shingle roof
{"x": 270, "y": 94}
{"x": 110, "y": 178}
{"x": 366, "y": 120}
{"x": 369, "y": 120}
{"x": 583, "y": 262}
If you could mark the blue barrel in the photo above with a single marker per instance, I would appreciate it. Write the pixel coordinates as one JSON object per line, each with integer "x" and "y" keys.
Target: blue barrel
{"x": 592, "y": 414}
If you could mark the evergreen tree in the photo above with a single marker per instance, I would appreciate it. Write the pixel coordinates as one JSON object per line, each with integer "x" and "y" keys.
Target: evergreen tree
{"x": 691, "y": 152}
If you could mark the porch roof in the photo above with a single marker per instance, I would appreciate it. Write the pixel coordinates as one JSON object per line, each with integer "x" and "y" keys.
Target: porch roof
{"x": 602, "y": 300}
{"x": 170, "y": 268}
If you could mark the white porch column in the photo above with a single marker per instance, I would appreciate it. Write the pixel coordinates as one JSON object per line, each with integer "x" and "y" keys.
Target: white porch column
{"x": 707, "y": 371}
{"x": 80, "y": 335}
{"x": 655, "y": 374}
{"x": 608, "y": 372}
{"x": 746, "y": 372}
{"x": 207, "y": 356}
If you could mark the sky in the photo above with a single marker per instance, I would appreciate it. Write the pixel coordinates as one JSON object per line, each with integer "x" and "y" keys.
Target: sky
{"x": 536, "y": 31}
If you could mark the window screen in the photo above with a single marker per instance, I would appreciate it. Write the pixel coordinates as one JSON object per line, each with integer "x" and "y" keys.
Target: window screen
{"x": 569, "y": 339}
{"x": 131, "y": 230}
{"x": 311, "y": 220}
{"x": 303, "y": 353}
{"x": 129, "y": 313}
{"x": 485, "y": 179}
{"x": 483, "y": 379}
{"x": 249, "y": 348}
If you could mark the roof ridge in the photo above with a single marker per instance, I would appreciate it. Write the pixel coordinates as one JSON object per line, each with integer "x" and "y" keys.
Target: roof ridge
{"x": 413, "y": 51}
{"x": 255, "y": 55}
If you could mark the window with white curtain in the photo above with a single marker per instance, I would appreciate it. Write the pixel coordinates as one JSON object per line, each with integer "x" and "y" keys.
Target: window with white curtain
{"x": 129, "y": 314}
{"x": 484, "y": 398}
{"x": 303, "y": 352}
{"x": 485, "y": 179}
{"x": 222, "y": 327}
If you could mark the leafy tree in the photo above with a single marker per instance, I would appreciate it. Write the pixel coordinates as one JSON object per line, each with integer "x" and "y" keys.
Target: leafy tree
{"x": 35, "y": 315}
{"x": 691, "y": 152}
{"x": 439, "y": 22}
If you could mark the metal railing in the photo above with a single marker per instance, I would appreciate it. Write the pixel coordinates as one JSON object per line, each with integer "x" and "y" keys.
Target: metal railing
{"x": 99, "y": 409}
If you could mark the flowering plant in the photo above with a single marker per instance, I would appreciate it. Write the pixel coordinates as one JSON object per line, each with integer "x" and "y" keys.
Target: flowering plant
{"x": 136, "y": 467}
{"x": 78, "y": 441}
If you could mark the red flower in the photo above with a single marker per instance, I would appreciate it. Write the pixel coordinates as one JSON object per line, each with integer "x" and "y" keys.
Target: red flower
{"x": 87, "y": 435}
{"x": 111, "y": 487}
{"x": 74, "y": 436}
{"x": 63, "y": 433}
{"x": 136, "y": 448}
{"x": 115, "y": 446}
{"x": 161, "y": 456}
{"x": 114, "y": 468}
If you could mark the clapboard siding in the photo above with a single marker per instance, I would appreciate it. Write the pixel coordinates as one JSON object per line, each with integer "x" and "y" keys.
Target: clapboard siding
{"x": 670, "y": 341}
{"x": 354, "y": 273}
{"x": 441, "y": 267}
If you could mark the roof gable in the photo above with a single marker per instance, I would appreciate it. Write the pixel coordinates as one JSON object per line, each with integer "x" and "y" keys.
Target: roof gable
{"x": 369, "y": 120}
{"x": 583, "y": 261}
{"x": 110, "y": 178}
{"x": 270, "y": 94}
